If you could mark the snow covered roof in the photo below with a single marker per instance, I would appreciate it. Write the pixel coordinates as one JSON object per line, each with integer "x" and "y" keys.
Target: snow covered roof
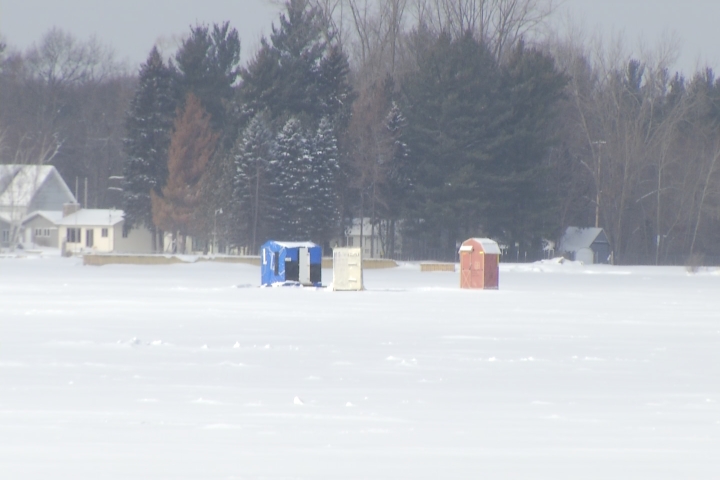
{"x": 51, "y": 215}
{"x": 4, "y": 218}
{"x": 576, "y": 238}
{"x": 93, "y": 217}
{"x": 488, "y": 245}
{"x": 20, "y": 183}
{"x": 296, "y": 244}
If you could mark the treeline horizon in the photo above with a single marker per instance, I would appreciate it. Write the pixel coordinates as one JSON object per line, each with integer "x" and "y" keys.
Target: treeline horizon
{"x": 436, "y": 119}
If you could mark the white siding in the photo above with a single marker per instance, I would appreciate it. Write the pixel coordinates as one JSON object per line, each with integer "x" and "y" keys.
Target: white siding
{"x": 138, "y": 240}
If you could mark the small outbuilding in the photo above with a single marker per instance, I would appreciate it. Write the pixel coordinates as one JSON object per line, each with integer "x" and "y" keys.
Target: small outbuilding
{"x": 587, "y": 245}
{"x": 291, "y": 262}
{"x": 93, "y": 230}
{"x": 347, "y": 269}
{"x": 41, "y": 228}
{"x": 479, "y": 264}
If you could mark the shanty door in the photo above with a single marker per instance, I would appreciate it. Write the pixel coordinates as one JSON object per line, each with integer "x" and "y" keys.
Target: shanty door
{"x": 466, "y": 269}
{"x": 304, "y": 265}
{"x": 472, "y": 269}
{"x": 477, "y": 270}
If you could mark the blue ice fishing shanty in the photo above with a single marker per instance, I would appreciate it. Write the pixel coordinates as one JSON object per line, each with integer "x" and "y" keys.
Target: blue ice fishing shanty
{"x": 286, "y": 262}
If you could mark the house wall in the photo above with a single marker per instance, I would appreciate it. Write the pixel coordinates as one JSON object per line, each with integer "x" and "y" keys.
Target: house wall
{"x": 51, "y": 195}
{"x": 601, "y": 252}
{"x": 100, "y": 244}
{"x": 353, "y": 241}
{"x": 138, "y": 240}
{"x": 4, "y": 233}
{"x": 46, "y": 237}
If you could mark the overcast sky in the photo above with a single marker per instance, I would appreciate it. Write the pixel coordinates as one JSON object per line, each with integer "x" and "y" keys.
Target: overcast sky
{"x": 132, "y": 27}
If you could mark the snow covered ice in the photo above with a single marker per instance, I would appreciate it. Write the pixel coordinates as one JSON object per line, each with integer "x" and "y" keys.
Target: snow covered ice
{"x": 566, "y": 372}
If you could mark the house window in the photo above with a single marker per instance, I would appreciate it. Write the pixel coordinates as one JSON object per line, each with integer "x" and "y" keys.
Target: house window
{"x": 125, "y": 233}
{"x": 46, "y": 232}
{"x": 89, "y": 237}
{"x": 73, "y": 235}
{"x": 42, "y": 232}
{"x": 350, "y": 241}
{"x": 104, "y": 233}
{"x": 6, "y": 236}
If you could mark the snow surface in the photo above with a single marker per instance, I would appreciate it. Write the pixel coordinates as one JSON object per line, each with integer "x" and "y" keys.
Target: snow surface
{"x": 190, "y": 371}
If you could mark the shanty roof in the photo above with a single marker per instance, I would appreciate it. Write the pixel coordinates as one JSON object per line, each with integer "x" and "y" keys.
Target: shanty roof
{"x": 295, "y": 244}
{"x": 93, "y": 217}
{"x": 488, "y": 245}
{"x": 576, "y": 238}
{"x": 20, "y": 183}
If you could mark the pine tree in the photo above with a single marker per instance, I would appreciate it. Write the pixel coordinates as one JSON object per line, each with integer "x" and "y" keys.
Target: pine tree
{"x": 284, "y": 76}
{"x": 148, "y": 128}
{"x": 193, "y": 143}
{"x": 323, "y": 214}
{"x": 290, "y": 171}
{"x": 300, "y": 78}
{"x": 208, "y": 64}
{"x": 335, "y": 89}
{"x": 455, "y": 112}
{"x": 252, "y": 157}
{"x": 532, "y": 86}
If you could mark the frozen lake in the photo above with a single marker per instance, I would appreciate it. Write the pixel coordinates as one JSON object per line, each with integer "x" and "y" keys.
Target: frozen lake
{"x": 192, "y": 372}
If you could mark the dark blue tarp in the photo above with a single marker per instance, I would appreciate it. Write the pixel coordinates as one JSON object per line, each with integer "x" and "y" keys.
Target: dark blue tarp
{"x": 276, "y": 256}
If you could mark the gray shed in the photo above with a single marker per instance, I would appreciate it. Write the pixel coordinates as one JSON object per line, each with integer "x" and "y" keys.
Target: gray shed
{"x": 588, "y": 245}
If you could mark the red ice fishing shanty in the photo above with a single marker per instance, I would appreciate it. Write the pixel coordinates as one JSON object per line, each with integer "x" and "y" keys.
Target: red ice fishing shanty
{"x": 479, "y": 264}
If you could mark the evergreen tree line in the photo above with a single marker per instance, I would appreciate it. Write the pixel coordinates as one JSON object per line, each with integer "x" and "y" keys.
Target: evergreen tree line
{"x": 454, "y": 147}
{"x": 437, "y": 123}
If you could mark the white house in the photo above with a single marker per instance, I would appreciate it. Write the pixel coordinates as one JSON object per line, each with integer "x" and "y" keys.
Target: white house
{"x": 100, "y": 231}
{"x": 588, "y": 245}
{"x": 25, "y": 189}
{"x": 373, "y": 241}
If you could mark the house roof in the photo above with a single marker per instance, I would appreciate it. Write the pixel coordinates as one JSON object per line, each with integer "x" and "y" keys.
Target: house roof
{"x": 20, "y": 183}
{"x": 51, "y": 215}
{"x": 93, "y": 217}
{"x": 576, "y": 238}
{"x": 4, "y": 219}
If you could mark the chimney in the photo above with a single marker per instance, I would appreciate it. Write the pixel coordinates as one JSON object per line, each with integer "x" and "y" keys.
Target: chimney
{"x": 70, "y": 208}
